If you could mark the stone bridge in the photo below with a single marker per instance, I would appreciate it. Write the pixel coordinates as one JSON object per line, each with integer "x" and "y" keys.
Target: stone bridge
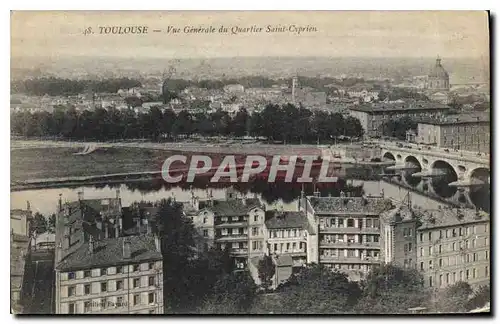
{"x": 458, "y": 177}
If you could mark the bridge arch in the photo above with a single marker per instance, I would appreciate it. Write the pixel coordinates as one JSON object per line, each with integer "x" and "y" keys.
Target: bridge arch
{"x": 443, "y": 173}
{"x": 414, "y": 166}
{"x": 479, "y": 192}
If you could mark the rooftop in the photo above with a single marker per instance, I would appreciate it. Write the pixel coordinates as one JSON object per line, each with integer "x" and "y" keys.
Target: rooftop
{"x": 109, "y": 252}
{"x": 354, "y": 205}
{"x": 400, "y": 106}
{"x": 234, "y": 207}
{"x": 287, "y": 219}
{"x": 448, "y": 217}
{"x": 458, "y": 119}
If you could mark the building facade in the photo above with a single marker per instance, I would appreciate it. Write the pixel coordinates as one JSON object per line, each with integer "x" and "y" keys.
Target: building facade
{"x": 100, "y": 271}
{"x": 457, "y": 132}
{"x": 374, "y": 118}
{"x": 20, "y": 221}
{"x": 348, "y": 232}
{"x": 454, "y": 245}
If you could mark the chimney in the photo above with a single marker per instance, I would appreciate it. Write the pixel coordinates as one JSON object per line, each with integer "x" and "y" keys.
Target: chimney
{"x": 126, "y": 249}
{"x": 157, "y": 243}
{"x": 91, "y": 244}
{"x": 60, "y": 203}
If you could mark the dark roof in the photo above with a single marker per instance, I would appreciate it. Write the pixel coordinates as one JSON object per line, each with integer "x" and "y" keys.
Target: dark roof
{"x": 283, "y": 260}
{"x": 234, "y": 207}
{"x": 400, "y": 214}
{"x": 287, "y": 220}
{"x": 109, "y": 252}
{"x": 399, "y": 106}
{"x": 367, "y": 205}
{"x": 457, "y": 119}
{"x": 447, "y": 217}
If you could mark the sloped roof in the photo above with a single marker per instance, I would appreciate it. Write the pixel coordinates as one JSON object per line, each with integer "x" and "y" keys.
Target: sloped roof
{"x": 109, "y": 252}
{"x": 289, "y": 219}
{"x": 447, "y": 217}
{"x": 234, "y": 207}
{"x": 367, "y": 205}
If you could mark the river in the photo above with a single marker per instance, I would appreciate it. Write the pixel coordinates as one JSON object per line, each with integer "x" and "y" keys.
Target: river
{"x": 45, "y": 201}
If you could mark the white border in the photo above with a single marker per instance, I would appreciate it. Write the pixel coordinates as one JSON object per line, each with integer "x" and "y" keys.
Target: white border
{"x": 191, "y": 5}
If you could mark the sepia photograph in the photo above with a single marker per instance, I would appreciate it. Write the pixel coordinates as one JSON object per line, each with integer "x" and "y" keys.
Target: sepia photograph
{"x": 250, "y": 162}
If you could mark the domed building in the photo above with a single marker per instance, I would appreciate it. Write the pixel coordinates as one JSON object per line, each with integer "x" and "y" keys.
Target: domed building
{"x": 438, "y": 79}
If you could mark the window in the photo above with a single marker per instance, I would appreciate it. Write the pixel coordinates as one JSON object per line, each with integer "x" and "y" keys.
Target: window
{"x": 486, "y": 271}
{"x": 71, "y": 275}
{"x": 409, "y": 246}
{"x": 104, "y": 271}
{"x": 460, "y": 231}
{"x": 205, "y": 233}
{"x": 136, "y": 283}
{"x": 475, "y": 257}
{"x": 136, "y": 267}
{"x": 119, "y": 285}
{"x": 430, "y": 281}
{"x": 474, "y": 273}
{"x": 87, "y": 307}
{"x": 151, "y": 265}
{"x": 120, "y": 270}
{"x": 255, "y": 231}
{"x": 376, "y": 223}
{"x": 86, "y": 289}
{"x": 473, "y": 243}
{"x": 440, "y": 280}
{"x": 466, "y": 244}
{"x": 430, "y": 264}
{"x": 368, "y": 222}
{"x": 430, "y": 236}
{"x": 440, "y": 234}
{"x": 350, "y": 222}
{"x": 137, "y": 299}
{"x": 410, "y": 232}
{"x": 205, "y": 220}
{"x": 447, "y": 233}
{"x": 440, "y": 248}
{"x": 453, "y": 247}
{"x": 151, "y": 281}
{"x": 104, "y": 286}
{"x": 421, "y": 251}
{"x": 119, "y": 301}
{"x": 454, "y": 232}
{"x": 255, "y": 218}
{"x": 71, "y": 308}
{"x": 405, "y": 232}
{"x": 421, "y": 237}
{"x": 430, "y": 250}
{"x": 87, "y": 273}
{"x": 440, "y": 262}
{"x": 341, "y": 222}
{"x": 151, "y": 298}
{"x": 486, "y": 254}
{"x": 467, "y": 274}
{"x": 104, "y": 303}
{"x": 375, "y": 239}
{"x": 447, "y": 278}
{"x": 454, "y": 277}
{"x": 71, "y": 291}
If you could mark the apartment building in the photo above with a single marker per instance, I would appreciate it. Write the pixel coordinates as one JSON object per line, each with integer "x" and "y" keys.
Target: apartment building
{"x": 454, "y": 245}
{"x": 287, "y": 233}
{"x": 349, "y": 232}
{"x": 20, "y": 220}
{"x": 97, "y": 269}
{"x": 374, "y": 117}
{"x": 469, "y": 132}
{"x": 234, "y": 222}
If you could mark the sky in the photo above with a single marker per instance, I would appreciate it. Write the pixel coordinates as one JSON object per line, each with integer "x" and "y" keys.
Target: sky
{"x": 451, "y": 34}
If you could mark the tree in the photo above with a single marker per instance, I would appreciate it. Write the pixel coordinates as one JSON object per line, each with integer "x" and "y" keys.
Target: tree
{"x": 38, "y": 224}
{"x": 176, "y": 233}
{"x": 233, "y": 293}
{"x": 389, "y": 289}
{"x": 481, "y": 296}
{"x": 318, "y": 290}
{"x": 454, "y": 299}
{"x": 52, "y": 223}
{"x": 266, "y": 270}
{"x": 239, "y": 123}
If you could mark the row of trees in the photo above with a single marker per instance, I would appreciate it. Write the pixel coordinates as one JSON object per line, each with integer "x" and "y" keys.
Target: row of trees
{"x": 205, "y": 283}
{"x": 398, "y": 128}
{"x": 65, "y": 87}
{"x": 282, "y": 123}
{"x": 40, "y": 224}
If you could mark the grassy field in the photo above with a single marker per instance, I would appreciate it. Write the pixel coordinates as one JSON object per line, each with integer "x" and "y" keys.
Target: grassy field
{"x": 41, "y": 163}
